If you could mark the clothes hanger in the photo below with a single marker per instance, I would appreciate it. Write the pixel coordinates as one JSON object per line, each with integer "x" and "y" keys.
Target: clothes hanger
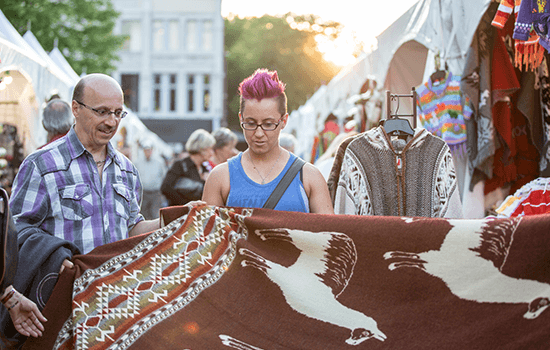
{"x": 393, "y": 125}
{"x": 439, "y": 74}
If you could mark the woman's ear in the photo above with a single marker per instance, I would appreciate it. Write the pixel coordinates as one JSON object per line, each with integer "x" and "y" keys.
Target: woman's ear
{"x": 285, "y": 120}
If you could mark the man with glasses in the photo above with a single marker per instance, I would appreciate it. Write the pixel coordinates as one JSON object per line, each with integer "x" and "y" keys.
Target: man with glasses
{"x": 249, "y": 178}
{"x": 79, "y": 190}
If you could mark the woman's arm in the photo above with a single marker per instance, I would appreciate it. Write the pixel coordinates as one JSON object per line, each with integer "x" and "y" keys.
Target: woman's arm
{"x": 216, "y": 188}
{"x": 317, "y": 190}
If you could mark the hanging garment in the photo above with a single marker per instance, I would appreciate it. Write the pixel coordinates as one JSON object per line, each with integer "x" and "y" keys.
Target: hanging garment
{"x": 533, "y": 16}
{"x": 397, "y": 178}
{"x": 516, "y": 160}
{"x": 544, "y": 78}
{"x": 528, "y": 50}
{"x": 442, "y": 109}
{"x": 476, "y": 84}
{"x": 531, "y": 199}
{"x": 323, "y": 141}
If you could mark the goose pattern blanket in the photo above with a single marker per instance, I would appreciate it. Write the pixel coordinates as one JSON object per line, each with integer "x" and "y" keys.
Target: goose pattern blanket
{"x": 232, "y": 278}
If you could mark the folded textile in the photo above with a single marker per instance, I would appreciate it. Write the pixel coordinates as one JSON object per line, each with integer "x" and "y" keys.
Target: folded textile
{"x": 233, "y": 278}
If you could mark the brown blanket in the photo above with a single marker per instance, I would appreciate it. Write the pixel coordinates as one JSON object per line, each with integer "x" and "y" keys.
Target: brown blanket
{"x": 229, "y": 278}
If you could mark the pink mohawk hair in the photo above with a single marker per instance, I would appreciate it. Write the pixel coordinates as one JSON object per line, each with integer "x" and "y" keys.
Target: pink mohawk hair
{"x": 262, "y": 84}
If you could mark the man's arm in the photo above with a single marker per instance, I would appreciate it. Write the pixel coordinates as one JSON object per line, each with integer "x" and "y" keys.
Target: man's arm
{"x": 144, "y": 226}
{"x": 317, "y": 190}
{"x": 216, "y": 188}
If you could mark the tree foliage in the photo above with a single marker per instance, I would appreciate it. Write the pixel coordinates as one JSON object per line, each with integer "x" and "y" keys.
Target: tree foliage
{"x": 83, "y": 29}
{"x": 283, "y": 43}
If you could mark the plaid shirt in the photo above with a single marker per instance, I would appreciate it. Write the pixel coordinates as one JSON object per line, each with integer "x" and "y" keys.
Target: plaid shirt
{"x": 58, "y": 189}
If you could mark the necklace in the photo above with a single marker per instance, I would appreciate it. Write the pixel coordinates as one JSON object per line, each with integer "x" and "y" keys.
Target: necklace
{"x": 273, "y": 167}
{"x": 100, "y": 163}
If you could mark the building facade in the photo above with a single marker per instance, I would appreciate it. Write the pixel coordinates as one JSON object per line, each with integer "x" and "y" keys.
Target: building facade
{"x": 171, "y": 67}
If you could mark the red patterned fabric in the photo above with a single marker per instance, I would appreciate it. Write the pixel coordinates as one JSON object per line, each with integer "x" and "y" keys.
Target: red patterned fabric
{"x": 228, "y": 278}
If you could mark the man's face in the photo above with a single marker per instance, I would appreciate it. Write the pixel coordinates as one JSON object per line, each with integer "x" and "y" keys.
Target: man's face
{"x": 93, "y": 130}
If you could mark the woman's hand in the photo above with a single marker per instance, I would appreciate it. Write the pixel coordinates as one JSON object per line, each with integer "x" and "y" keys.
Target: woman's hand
{"x": 25, "y": 315}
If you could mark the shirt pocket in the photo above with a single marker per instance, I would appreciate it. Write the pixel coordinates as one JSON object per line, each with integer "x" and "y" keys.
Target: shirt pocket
{"x": 123, "y": 197}
{"x": 76, "y": 202}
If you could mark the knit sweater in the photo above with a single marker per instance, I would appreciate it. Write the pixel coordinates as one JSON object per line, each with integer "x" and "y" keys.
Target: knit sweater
{"x": 528, "y": 50}
{"x": 380, "y": 177}
{"x": 442, "y": 110}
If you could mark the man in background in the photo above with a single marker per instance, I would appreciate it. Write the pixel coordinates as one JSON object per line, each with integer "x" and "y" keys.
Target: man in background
{"x": 151, "y": 171}
{"x": 57, "y": 119}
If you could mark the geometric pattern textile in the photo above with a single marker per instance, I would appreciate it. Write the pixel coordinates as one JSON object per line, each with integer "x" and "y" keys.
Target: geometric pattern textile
{"x": 236, "y": 279}
{"x": 160, "y": 276}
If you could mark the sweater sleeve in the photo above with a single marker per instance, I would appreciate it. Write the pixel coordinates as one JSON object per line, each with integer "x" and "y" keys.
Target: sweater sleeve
{"x": 352, "y": 196}
{"x": 446, "y": 197}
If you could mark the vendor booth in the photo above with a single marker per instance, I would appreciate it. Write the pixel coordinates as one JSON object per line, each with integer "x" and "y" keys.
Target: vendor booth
{"x": 461, "y": 41}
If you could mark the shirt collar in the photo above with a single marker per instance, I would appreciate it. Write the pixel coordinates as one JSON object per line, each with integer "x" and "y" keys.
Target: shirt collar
{"x": 76, "y": 148}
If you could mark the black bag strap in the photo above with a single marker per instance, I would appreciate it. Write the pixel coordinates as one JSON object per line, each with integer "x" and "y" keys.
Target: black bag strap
{"x": 284, "y": 183}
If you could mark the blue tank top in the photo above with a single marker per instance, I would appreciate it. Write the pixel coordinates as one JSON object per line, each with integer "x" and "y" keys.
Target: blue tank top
{"x": 246, "y": 193}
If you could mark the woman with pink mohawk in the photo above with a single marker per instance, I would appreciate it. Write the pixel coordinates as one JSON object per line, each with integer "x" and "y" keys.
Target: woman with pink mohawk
{"x": 249, "y": 178}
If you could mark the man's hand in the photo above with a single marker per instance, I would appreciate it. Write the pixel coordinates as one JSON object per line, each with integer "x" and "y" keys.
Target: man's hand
{"x": 66, "y": 264}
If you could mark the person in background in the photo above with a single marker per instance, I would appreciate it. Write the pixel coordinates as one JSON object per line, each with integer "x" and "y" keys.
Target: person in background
{"x": 57, "y": 119}
{"x": 20, "y": 311}
{"x": 225, "y": 147}
{"x": 288, "y": 142}
{"x": 249, "y": 178}
{"x": 185, "y": 179}
{"x": 151, "y": 171}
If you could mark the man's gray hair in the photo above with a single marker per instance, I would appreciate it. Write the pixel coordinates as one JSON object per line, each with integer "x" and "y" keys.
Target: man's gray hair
{"x": 199, "y": 140}
{"x": 224, "y": 137}
{"x": 57, "y": 117}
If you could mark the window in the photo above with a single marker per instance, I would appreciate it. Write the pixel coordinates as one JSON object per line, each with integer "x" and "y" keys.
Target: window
{"x": 158, "y": 35}
{"x": 173, "y": 43}
{"x": 131, "y": 29}
{"x": 192, "y": 35}
{"x": 173, "y": 90}
{"x": 207, "y": 36}
{"x": 207, "y": 98}
{"x": 156, "y": 92}
{"x": 190, "y": 93}
{"x": 130, "y": 87}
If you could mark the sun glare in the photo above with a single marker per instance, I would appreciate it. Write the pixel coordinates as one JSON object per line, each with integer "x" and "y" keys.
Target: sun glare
{"x": 338, "y": 51}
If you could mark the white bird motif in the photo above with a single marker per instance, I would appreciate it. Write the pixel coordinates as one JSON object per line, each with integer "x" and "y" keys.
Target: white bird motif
{"x": 462, "y": 262}
{"x": 320, "y": 273}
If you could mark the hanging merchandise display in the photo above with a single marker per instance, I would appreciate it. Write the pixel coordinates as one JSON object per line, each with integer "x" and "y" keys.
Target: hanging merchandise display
{"x": 527, "y": 47}
{"x": 442, "y": 109}
{"x": 531, "y": 199}
{"x": 396, "y": 170}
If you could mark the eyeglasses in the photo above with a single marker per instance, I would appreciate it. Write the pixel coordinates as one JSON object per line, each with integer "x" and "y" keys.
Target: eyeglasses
{"x": 104, "y": 113}
{"x": 268, "y": 126}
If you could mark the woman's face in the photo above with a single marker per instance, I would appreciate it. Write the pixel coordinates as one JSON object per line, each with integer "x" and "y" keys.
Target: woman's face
{"x": 260, "y": 112}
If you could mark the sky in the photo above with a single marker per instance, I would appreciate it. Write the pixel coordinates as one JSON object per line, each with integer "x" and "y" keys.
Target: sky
{"x": 367, "y": 18}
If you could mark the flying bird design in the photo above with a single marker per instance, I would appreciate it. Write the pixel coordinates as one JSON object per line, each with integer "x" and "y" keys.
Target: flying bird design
{"x": 473, "y": 252}
{"x": 312, "y": 284}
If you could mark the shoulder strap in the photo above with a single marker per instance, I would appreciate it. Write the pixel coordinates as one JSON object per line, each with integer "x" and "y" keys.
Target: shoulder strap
{"x": 284, "y": 183}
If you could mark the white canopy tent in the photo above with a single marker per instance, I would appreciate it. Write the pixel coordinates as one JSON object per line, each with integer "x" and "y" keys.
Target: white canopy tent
{"x": 32, "y": 82}
{"x": 405, "y": 54}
